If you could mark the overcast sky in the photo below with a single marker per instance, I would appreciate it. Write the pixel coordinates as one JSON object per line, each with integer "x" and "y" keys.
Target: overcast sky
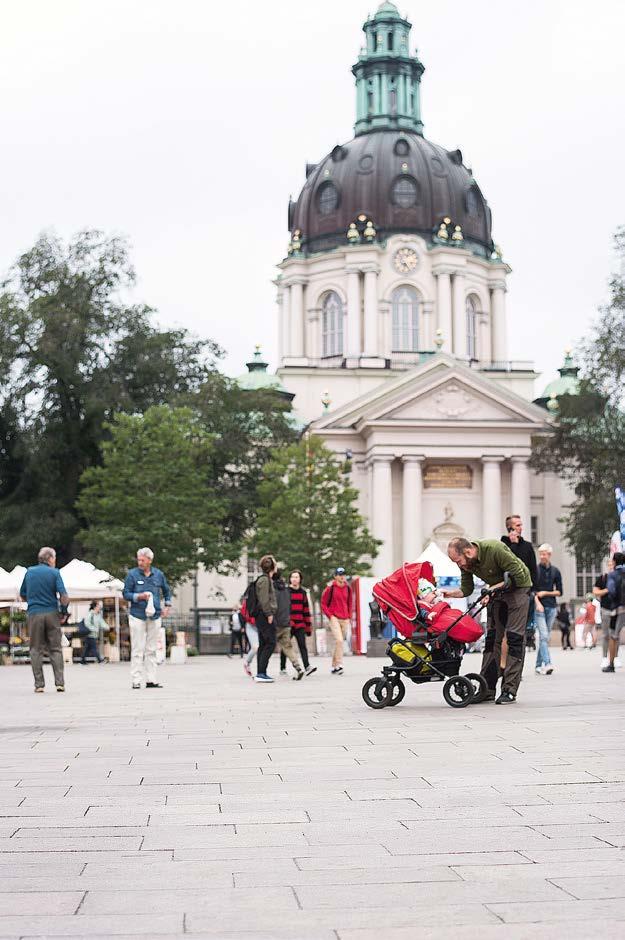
{"x": 185, "y": 125}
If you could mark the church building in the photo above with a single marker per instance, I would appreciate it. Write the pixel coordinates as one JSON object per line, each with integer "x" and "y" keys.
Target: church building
{"x": 392, "y": 327}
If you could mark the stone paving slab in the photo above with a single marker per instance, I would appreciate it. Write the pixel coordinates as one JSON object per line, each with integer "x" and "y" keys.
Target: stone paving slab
{"x": 223, "y": 809}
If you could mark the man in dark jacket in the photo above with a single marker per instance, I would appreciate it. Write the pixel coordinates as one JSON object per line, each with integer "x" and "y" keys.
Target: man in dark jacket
{"x": 520, "y": 546}
{"x": 265, "y": 616}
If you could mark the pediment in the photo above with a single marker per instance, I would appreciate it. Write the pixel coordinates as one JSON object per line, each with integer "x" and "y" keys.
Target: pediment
{"x": 441, "y": 391}
{"x": 453, "y": 400}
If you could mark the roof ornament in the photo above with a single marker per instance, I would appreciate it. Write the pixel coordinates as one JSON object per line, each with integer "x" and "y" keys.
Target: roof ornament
{"x": 457, "y": 236}
{"x": 553, "y": 405}
{"x": 295, "y": 245}
{"x": 497, "y": 253}
{"x": 353, "y": 235}
{"x": 326, "y": 401}
{"x": 369, "y": 232}
{"x": 439, "y": 339}
{"x": 442, "y": 232}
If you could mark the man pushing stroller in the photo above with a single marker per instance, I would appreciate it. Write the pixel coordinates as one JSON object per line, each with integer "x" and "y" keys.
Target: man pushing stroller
{"x": 491, "y": 560}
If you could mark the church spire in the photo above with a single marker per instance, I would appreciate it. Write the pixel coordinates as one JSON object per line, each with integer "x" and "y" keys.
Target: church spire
{"x": 387, "y": 76}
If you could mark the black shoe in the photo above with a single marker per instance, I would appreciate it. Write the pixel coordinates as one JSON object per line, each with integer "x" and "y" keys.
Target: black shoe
{"x": 506, "y": 698}
{"x": 153, "y": 685}
{"x": 609, "y": 668}
{"x": 490, "y": 696}
{"x": 136, "y": 685}
{"x": 299, "y": 675}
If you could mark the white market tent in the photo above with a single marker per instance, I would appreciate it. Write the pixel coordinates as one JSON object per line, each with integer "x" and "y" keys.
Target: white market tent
{"x": 443, "y": 566}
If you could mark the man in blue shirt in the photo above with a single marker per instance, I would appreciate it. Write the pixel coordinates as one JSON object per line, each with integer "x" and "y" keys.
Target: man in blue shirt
{"x": 548, "y": 586}
{"x": 616, "y": 593}
{"x": 42, "y": 588}
{"x": 143, "y": 588}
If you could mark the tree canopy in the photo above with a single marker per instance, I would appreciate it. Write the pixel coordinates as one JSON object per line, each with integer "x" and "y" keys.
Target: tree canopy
{"x": 74, "y": 353}
{"x": 307, "y": 516}
{"x": 587, "y": 445}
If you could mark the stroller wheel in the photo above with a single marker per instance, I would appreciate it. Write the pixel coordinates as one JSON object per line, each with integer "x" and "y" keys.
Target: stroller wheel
{"x": 480, "y": 687}
{"x": 399, "y": 690}
{"x": 458, "y": 691}
{"x": 377, "y": 692}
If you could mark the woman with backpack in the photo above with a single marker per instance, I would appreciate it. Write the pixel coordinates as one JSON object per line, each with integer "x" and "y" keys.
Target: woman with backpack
{"x": 94, "y": 622}
{"x": 262, "y": 605}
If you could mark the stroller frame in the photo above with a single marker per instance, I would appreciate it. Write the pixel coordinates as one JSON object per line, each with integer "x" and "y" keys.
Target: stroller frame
{"x": 458, "y": 691}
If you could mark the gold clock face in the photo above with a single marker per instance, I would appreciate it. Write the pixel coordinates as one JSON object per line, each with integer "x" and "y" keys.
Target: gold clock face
{"x": 405, "y": 260}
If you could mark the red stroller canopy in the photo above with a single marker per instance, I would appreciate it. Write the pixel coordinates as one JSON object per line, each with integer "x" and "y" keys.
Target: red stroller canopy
{"x": 399, "y": 594}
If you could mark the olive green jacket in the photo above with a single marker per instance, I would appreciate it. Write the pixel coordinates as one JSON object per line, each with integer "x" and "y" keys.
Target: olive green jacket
{"x": 493, "y": 560}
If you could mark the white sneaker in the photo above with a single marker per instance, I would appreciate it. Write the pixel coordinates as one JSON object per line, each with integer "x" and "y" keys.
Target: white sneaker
{"x": 617, "y": 663}
{"x": 606, "y": 661}
{"x": 283, "y": 672}
{"x": 539, "y": 670}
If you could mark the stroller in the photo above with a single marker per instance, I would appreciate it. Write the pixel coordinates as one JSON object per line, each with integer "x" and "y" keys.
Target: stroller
{"x": 434, "y": 637}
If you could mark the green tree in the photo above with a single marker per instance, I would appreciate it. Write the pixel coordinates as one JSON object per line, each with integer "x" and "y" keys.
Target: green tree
{"x": 307, "y": 515}
{"x": 587, "y": 445}
{"x": 153, "y": 488}
{"x": 73, "y": 352}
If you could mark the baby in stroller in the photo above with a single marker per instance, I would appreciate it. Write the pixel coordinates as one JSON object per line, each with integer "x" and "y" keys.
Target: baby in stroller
{"x": 434, "y": 640}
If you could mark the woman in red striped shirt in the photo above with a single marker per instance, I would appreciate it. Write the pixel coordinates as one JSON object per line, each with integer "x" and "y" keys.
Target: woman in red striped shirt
{"x": 301, "y": 621}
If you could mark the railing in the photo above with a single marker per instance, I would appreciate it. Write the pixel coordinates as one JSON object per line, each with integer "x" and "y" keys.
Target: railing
{"x": 406, "y": 360}
{"x": 513, "y": 365}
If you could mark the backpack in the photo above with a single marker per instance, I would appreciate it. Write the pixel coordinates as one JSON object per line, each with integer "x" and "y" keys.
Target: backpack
{"x": 251, "y": 600}
{"x": 620, "y": 588}
{"x": 83, "y": 629}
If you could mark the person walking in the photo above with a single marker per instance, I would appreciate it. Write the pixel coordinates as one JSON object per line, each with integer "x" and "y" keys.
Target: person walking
{"x": 251, "y": 632}
{"x": 524, "y": 550}
{"x": 548, "y": 586}
{"x": 336, "y": 604}
{"x": 94, "y": 623}
{"x": 586, "y": 619}
{"x": 616, "y": 591}
{"x": 143, "y": 588}
{"x": 236, "y": 631}
{"x": 490, "y": 560}
{"x": 563, "y": 619}
{"x": 600, "y": 591}
{"x": 43, "y": 589}
{"x": 264, "y": 616}
{"x": 283, "y": 625}
{"x": 301, "y": 620}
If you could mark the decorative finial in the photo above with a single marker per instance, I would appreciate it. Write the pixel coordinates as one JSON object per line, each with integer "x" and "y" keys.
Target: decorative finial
{"x": 326, "y": 401}
{"x": 457, "y": 235}
{"x": 497, "y": 253}
{"x": 369, "y": 232}
{"x": 353, "y": 235}
{"x": 442, "y": 233}
{"x": 439, "y": 340}
{"x": 552, "y": 404}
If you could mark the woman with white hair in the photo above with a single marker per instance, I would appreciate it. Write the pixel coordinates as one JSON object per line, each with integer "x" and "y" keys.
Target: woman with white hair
{"x": 143, "y": 588}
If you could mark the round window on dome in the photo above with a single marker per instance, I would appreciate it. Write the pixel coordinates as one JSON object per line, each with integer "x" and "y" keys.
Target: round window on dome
{"x": 405, "y": 192}
{"x": 327, "y": 198}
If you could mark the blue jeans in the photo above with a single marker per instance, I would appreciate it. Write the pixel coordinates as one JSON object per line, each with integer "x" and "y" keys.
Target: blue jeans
{"x": 544, "y": 623}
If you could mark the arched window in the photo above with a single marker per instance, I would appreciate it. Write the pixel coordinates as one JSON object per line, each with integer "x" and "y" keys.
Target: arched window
{"x": 332, "y": 325}
{"x": 472, "y": 202}
{"x": 405, "y": 303}
{"x": 472, "y": 309}
{"x": 327, "y": 198}
{"x": 405, "y": 192}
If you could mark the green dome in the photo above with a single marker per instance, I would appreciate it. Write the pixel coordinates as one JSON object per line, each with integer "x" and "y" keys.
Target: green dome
{"x": 257, "y": 377}
{"x": 567, "y": 384}
{"x": 387, "y": 9}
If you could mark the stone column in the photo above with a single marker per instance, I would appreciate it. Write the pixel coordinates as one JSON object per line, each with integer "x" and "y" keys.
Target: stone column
{"x": 426, "y": 339}
{"x": 460, "y": 316}
{"x": 285, "y": 322}
{"x": 412, "y": 510}
{"x": 520, "y": 503}
{"x": 443, "y": 303}
{"x": 483, "y": 342}
{"x": 353, "y": 349}
{"x": 492, "y": 520}
{"x": 382, "y": 513}
{"x": 280, "y": 327}
{"x": 297, "y": 317}
{"x": 498, "y": 321}
{"x": 371, "y": 310}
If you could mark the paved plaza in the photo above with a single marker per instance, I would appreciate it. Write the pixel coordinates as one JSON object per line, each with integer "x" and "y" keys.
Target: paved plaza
{"x": 220, "y": 808}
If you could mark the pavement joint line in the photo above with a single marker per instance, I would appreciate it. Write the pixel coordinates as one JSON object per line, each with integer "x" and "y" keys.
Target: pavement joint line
{"x": 82, "y": 901}
{"x": 297, "y": 900}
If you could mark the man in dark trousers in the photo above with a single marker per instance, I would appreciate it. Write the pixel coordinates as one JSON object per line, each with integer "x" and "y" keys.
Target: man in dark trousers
{"x": 42, "y": 589}
{"x": 265, "y": 616}
{"x": 525, "y": 551}
{"x": 490, "y": 560}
